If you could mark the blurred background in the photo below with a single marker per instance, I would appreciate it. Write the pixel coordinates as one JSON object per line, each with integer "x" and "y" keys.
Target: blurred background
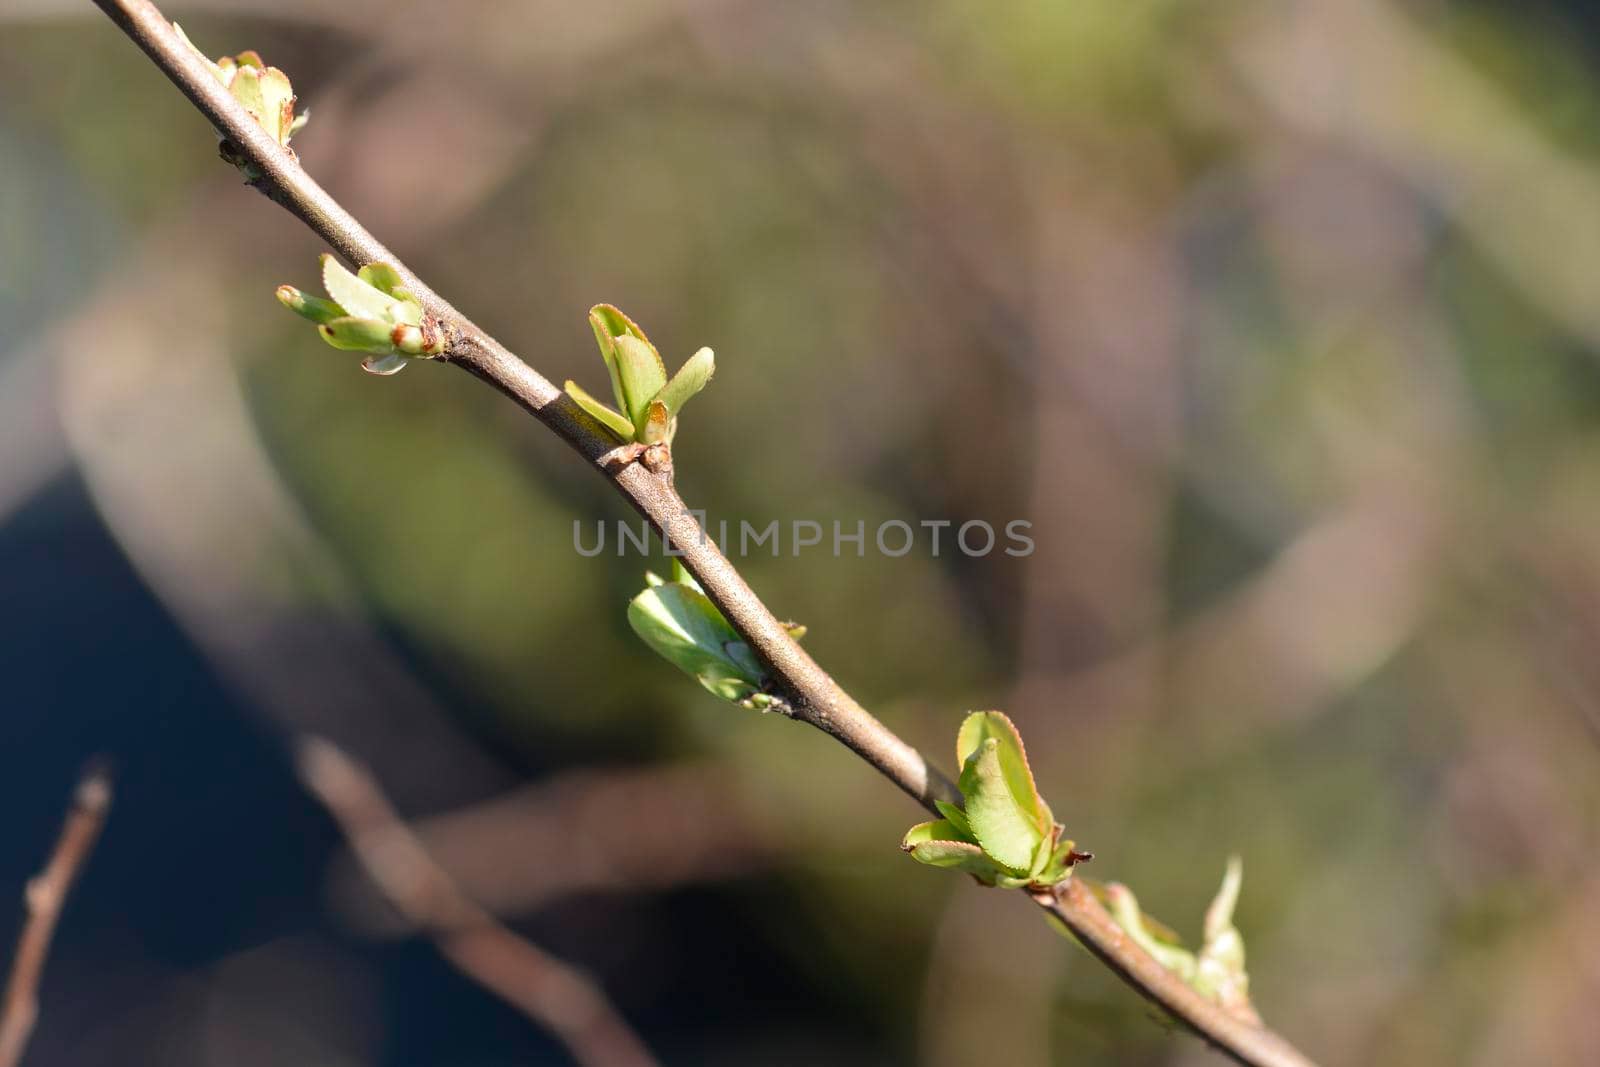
{"x": 1277, "y": 320}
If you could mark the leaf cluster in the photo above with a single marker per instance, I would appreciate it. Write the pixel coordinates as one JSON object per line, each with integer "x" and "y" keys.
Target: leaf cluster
{"x": 648, "y": 402}
{"x": 1217, "y": 969}
{"x": 264, "y": 91}
{"x": 370, "y": 311}
{"x": 1003, "y": 834}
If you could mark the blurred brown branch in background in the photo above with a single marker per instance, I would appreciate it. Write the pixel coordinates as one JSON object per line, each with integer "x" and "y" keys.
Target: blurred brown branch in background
{"x": 702, "y": 828}
{"x": 543, "y": 988}
{"x": 44, "y": 897}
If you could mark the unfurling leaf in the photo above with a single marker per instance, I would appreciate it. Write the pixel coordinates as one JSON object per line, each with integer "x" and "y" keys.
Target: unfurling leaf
{"x": 1156, "y": 939}
{"x": 941, "y": 844}
{"x": 358, "y": 298}
{"x": 608, "y": 324}
{"x": 612, "y": 420}
{"x": 642, "y": 374}
{"x": 314, "y": 308}
{"x": 685, "y": 628}
{"x": 692, "y": 377}
{"x": 1006, "y": 830}
{"x": 385, "y": 279}
{"x": 983, "y": 726}
{"x": 1217, "y": 971}
{"x": 358, "y": 335}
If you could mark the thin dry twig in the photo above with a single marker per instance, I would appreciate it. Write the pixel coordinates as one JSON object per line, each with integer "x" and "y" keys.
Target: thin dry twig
{"x": 546, "y": 990}
{"x": 812, "y": 695}
{"x": 45, "y": 896}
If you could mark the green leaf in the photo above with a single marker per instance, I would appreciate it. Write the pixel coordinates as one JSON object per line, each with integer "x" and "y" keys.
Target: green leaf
{"x": 686, "y": 629}
{"x": 641, "y": 373}
{"x": 982, "y": 726}
{"x": 1124, "y": 907}
{"x": 1006, "y": 826}
{"x": 956, "y": 818}
{"x": 745, "y": 659}
{"x": 608, "y": 324}
{"x": 385, "y": 279}
{"x": 358, "y": 335}
{"x": 680, "y": 573}
{"x": 1220, "y": 968}
{"x": 246, "y": 88}
{"x": 1219, "y": 916}
{"x": 277, "y": 104}
{"x": 692, "y": 377}
{"x": 611, "y": 420}
{"x": 609, "y": 320}
{"x": 934, "y": 844}
{"x": 358, "y": 299}
{"x": 310, "y": 307}
{"x": 937, "y": 830}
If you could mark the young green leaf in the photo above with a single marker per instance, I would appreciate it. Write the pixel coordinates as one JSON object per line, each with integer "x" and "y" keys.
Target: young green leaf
{"x": 608, "y": 320}
{"x": 680, "y": 573}
{"x": 358, "y": 299}
{"x": 358, "y": 335}
{"x": 641, "y": 373}
{"x": 1005, "y": 826}
{"x": 955, "y": 817}
{"x": 277, "y": 104}
{"x": 385, "y": 279}
{"x": 936, "y": 830}
{"x": 608, "y": 323}
{"x": 611, "y": 420}
{"x": 310, "y": 307}
{"x": 686, "y": 629}
{"x": 983, "y": 726}
{"x": 1220, "y": 967}
{"x": 1219, "y": 916}
{"x": 246, "y": 88}
{"x": 1124, "y": 908}
{"x": 692, "y": 377}
{"x": 937, "y": 845}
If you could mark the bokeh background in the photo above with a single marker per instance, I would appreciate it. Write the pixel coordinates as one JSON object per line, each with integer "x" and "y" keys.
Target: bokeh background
{"x": 1278, "y": 321}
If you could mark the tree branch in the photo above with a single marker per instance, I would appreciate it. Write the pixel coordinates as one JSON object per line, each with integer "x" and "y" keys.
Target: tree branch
{"x": 543, "y": 988}
{"x": 813, "y": 696}
{"x": 45, "y": 896}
